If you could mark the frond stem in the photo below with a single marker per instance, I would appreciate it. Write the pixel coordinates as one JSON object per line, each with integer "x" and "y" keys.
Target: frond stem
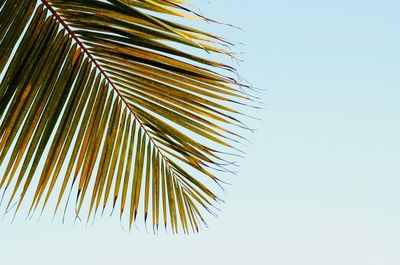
{"x": 86, "y": 51}
{"x": 109, "y": 81}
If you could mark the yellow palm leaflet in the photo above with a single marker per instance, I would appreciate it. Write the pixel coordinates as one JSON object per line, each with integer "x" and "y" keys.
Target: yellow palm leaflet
{"x": 115, "y": 158}
{"x": 122, "y": 162}
{"x": 128, "y": 169}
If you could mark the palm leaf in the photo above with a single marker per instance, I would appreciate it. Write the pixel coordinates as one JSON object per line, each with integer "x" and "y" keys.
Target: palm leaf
{"x": 96, "y": 101}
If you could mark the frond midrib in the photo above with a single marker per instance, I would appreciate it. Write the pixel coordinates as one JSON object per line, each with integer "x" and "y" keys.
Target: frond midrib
{"x": 106, "y": 77}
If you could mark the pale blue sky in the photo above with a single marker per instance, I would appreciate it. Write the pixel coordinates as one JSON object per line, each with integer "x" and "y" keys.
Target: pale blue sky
{"x": 320, "y": 184}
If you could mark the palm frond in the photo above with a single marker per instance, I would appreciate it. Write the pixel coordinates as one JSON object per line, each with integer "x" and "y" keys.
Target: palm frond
{"x": 95, "y": 97}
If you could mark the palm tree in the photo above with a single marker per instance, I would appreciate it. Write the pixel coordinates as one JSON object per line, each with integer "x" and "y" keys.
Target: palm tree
{"x": 98, "y": 101}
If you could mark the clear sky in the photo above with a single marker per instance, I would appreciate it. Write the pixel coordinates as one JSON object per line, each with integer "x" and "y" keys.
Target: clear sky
{"x": 321, "y": 182}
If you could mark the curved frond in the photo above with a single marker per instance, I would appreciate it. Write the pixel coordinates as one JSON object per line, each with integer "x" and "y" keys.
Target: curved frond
{"x": 96, "y": 98}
